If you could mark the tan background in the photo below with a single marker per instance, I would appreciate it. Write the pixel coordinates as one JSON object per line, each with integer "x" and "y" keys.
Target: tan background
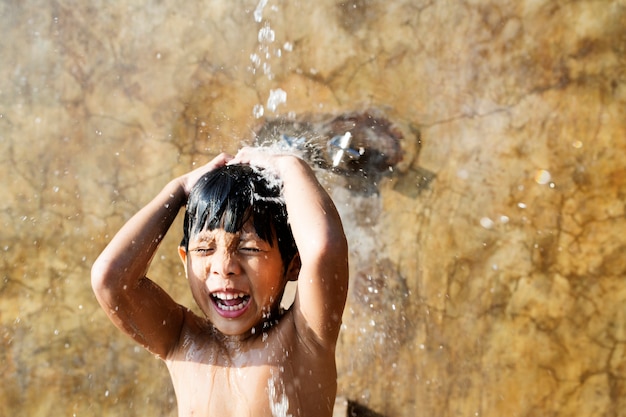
{"x": 497, "y": 290}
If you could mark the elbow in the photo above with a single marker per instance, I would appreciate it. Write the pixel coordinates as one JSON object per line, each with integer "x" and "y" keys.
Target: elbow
{"x": 98, "y": 274}
{"x": 106, "y": 284}
{"x": 101, "y": 276}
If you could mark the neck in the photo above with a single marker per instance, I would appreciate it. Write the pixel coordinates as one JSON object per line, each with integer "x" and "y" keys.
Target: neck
{"x": 234, "y": 343}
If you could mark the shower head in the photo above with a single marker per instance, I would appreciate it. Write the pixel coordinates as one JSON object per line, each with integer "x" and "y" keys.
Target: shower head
{"x": 339, "y": 150}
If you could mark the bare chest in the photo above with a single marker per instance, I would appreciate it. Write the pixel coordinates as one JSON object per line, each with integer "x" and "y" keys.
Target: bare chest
{"x": 212, "y": 390}
{"x": 272, "y": 376}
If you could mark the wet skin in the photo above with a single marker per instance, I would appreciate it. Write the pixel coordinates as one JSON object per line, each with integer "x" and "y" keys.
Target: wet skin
{"x": 236, "y": 279}
{"x": 276, "y": 368}
{"x": 242, "y": 356}
{"x": 242, "y": 351}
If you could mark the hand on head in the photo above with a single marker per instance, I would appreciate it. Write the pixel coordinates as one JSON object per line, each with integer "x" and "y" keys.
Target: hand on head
{"x": 188, "y": 180}
{"x": 259, "y": 157}
{"x": 265, "y": 158}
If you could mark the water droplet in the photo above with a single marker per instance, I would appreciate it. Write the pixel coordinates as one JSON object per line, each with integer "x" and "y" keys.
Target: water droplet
{"x": 257, "y": 111}
{"x": 258, "y": 12}
{"x": 486, "y": 222}
{"x": 255, "y": 59}
{"x": 542, "y": 177}
{"x": 266, "y": 34}
{"x": 277, "y": 97}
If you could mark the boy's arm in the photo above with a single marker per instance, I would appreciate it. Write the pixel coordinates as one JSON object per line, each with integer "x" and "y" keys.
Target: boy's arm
{"x": 135, "y": 304}
{"x": 322, "y": 246}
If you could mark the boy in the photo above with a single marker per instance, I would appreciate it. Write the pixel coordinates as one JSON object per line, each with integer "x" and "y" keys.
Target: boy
{"x": 246, "y": 357}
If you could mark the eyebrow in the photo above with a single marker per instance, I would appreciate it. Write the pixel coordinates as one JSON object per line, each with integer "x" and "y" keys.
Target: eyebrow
{"x": 207, "y": 235}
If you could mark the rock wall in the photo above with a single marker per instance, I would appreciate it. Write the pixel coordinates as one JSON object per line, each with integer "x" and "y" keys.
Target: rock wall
{"x": 488, "y": 275}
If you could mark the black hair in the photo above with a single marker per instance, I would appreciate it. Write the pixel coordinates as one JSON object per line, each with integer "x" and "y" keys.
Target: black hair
{"x": 229, "y": 196}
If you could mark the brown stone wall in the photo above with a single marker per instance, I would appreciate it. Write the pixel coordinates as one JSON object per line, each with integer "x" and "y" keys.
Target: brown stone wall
{"x": 496, "y": 287}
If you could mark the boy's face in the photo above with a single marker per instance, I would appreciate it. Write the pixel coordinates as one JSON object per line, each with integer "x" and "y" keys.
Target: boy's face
{"x": 236, "y": 278}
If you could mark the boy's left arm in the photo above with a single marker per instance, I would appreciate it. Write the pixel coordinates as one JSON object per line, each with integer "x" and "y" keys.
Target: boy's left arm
{"x": 322, "y": 245}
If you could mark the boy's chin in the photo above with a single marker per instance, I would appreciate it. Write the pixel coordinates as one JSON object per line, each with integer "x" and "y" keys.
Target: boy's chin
{"x": 231, "y": 327}
{"x": 236, "y": 332}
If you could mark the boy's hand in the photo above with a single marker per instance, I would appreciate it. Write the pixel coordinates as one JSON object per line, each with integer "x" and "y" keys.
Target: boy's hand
{"x": 260, "y": 157}
{"x": 250, "y": 156}
{"x": 188, "y": 180}
{"x": 271, "y": 160}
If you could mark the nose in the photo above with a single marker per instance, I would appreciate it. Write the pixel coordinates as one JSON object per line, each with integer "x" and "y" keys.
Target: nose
{"x": 225, "y": 264}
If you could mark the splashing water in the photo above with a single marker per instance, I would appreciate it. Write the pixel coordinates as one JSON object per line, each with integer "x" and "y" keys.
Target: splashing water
{"x": 279, "y": 403}
{"x": 272, "y": 178}
{"x": 277, "y": 97}
{"x": 258, "y": 111}
{"x": 194, "y": 351}
{"x": 262, "y": 58}
{"x": 258, "y": 12}
{"x": 266, "y": 34}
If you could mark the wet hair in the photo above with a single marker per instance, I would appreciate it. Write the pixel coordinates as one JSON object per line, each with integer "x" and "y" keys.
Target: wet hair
{"x": 229, "y": 196}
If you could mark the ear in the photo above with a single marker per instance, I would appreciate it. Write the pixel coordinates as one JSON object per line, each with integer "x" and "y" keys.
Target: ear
{"x": 182, "y": 252}
{"x": 293, "y": 270}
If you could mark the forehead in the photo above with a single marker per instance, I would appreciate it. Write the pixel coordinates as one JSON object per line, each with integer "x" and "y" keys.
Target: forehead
{"x": 247, "y": 232}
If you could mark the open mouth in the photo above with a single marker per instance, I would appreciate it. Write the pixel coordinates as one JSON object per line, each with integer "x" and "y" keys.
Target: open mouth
{"x": 230, "y": 304}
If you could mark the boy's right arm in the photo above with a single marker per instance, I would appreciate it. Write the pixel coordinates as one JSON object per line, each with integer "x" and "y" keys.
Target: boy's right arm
{"x": 134, "y": 303}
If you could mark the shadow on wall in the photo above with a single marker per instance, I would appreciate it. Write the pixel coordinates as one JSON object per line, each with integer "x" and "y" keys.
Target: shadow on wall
{"x": 348, "y": 408}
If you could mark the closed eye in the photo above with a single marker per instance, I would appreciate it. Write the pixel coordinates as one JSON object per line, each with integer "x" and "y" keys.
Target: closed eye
{"x": 202, "y": 251}
{"x": 250, "y": 249}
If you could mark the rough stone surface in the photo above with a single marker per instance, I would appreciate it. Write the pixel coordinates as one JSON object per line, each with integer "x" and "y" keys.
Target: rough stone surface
{"x": 488, "y": 271}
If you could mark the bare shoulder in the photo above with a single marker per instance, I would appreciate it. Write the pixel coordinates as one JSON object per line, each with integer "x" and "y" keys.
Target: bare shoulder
{"x": 293, "y": 335}
{"x": 196, "y": 339}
